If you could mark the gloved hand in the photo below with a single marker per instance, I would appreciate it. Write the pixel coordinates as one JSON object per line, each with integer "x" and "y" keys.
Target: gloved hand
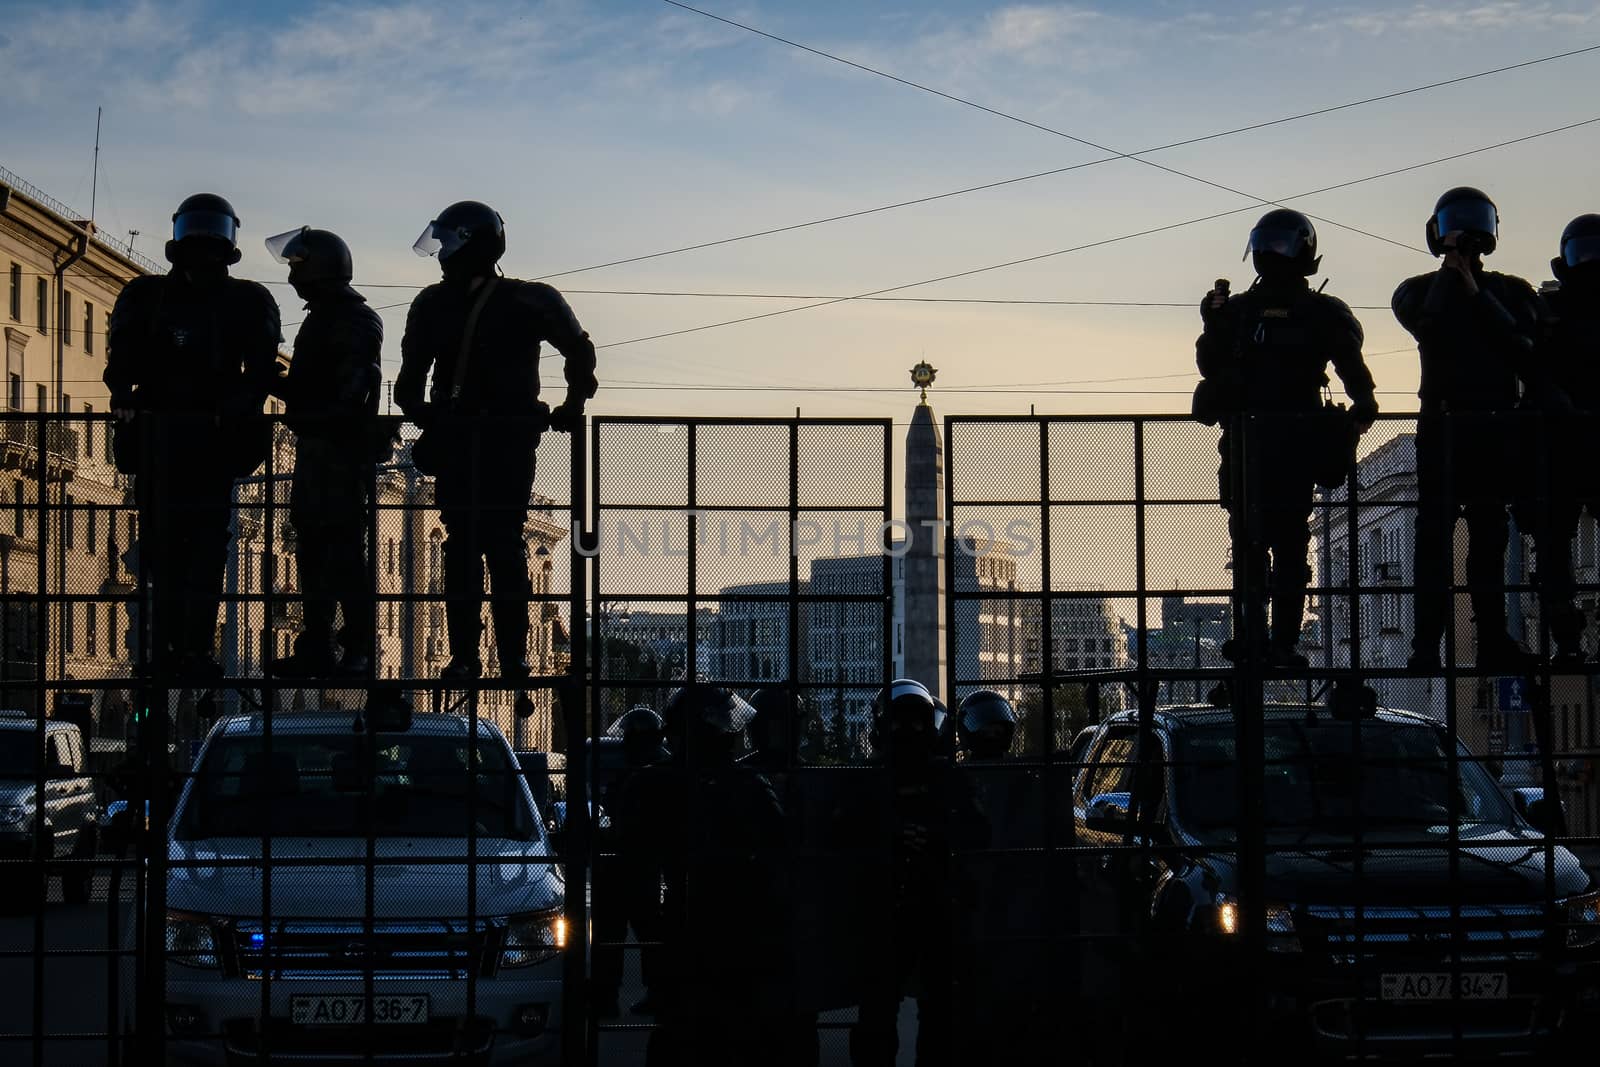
{"x": 1364, "y": 412}
{"x": 1213, "y": 305}
{"x": 567, "y": 417}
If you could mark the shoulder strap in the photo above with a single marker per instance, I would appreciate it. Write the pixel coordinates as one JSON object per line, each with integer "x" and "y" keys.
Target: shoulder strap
{"x": 467, "y": 334}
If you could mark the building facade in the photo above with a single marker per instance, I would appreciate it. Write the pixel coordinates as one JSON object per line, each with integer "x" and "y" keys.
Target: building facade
{"x": 60, "y": 281}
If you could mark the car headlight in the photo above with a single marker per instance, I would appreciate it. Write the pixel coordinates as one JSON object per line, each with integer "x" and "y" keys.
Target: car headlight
{"x": 12, "y": 814}
{"x": 191, "y": 940}
{"x": 1583, "y": 920}
{"x": 1280, "y": 923}
{"x": 533, "y": 938}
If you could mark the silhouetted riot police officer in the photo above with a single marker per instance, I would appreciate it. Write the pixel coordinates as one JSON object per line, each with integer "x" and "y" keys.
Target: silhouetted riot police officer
{"x": 1264, "y": 357}
{"x": 331, "y": 402}
{"x": 1569, "y": 364}
{"x": 807, "y": 927}
{"x": 1014, "y": 974}
{"x": 923, "y": 816}
{"x": 624, "y": 893}
{"x": 712, "y": 829}
{"x": 987, "y": 724}
{"x": 1475, "y": 330}
{"x": 480, "y": 334}
{"x": 189, "y": 361}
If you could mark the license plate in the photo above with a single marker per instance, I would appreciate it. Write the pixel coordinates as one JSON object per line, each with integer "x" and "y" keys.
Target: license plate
{"x": 335, "y": 1009}
{"x": 1437, "y": 985}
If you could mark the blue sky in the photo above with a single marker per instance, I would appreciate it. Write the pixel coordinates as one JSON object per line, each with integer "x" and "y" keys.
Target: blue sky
{"x": 622, "y": 127}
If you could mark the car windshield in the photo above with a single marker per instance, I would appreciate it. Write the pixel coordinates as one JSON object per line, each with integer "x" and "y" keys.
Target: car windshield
{"x": 1328, "y": 776}
{"x": 321, "y": 785}
{"x": 19, "y": 754}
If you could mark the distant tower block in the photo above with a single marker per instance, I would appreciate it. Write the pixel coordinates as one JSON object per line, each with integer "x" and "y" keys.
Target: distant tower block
{"x": 924, "y": 564}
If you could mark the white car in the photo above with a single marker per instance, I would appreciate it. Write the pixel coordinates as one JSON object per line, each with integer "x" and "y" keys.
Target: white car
{"x": 420, "y": 957}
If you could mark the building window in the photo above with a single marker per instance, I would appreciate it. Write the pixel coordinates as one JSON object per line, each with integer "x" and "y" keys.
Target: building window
{"x": 19, "y": 517}
{"x": 91, "y": 629}
{"x": 69, "y": 612}
{"x": 88, "y": 326}
{"x": 41, "y": 398}
{"x": 90, "y": 529}
{"x": 391, "y": 557}
{"x": 67, "y": 522}
{"x": 88, "y": 429}
{"x": 16, "y": 292}
{"x": 110, "y": 458}
{"x": 42, "y": 294}
{"x": 66, "y": 317}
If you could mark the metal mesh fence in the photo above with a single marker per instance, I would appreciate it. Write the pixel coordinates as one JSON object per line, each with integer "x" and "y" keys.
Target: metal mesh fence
{"x": 244, "y": 818}
{"x": 1330, "y": 825}
{"x": 1271, "y": 828}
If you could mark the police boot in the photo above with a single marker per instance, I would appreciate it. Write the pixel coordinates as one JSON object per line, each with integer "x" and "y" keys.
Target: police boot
{"x": 1288, "y": 612}
{"x": 199, "y": 665}
{"x": 310, "y": 659}
{"x": 464, "y": 621}
{"x": 355, "y": 664}
{"x": 511, "y": 643}
{"x": 1497, "y": 651}
{"x": 462, "y": 668}
{"x": 1566, "y": 630}
{"x": 1284, "y": 654}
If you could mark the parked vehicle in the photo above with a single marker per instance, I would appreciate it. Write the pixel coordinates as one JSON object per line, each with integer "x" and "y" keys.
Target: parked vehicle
{"x": 68, "y": 806}
{"x": 1385, "y": 933}
{"x": 446, "y": 948}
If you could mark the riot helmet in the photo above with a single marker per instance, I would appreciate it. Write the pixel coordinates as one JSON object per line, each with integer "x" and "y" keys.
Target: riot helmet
{"x": 1470, "y": 215}
{"x": 204, "y": 228}
{"x": 1580, "y": 250}
{"x": 1288, "y": 238}
{"x": 908, "y": 722}
{"x": 641, "y": 732}
{"x": 316, "y": 258}
{"x": 775, "y": 719}
{"x": 987, "y": 724}
{"x": 468, "y": 237}
{"x": 705, "y": 724}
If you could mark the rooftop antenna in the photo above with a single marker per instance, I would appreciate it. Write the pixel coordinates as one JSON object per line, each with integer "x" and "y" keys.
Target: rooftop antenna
{"x": 94, "y": 182}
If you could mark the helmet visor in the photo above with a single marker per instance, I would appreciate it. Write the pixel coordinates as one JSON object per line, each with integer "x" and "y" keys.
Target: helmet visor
{"x": 1580, "y": 250}
{"x": 282, "y": 246}
{"x": 1468, "y": 216}
{"x": 441, "y": 241}
{"x": 205, "y": 224}
{"x": 1278, "y": 241}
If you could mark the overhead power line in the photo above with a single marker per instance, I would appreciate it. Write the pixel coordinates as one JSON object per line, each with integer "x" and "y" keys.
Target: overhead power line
{"x": 1113, "y": 153}
{"x": 774, "y": 230}
{"x": 1101, "y": 243}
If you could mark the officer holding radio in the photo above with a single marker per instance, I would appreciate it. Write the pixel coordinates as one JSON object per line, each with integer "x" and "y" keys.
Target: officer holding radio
{"x": 1475, "y": 331}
